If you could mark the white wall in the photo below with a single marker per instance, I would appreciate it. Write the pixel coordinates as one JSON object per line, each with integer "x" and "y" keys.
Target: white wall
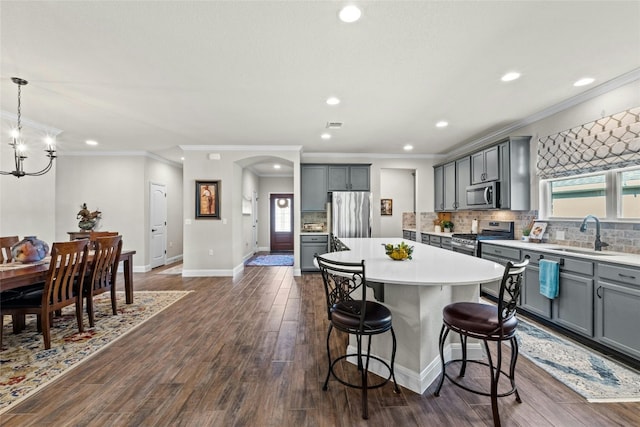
{"x": 270, "y": 186}
{"x": 399, "y": 186}
{"x": 27, "y": 203}
{"x": 224, "y": 238}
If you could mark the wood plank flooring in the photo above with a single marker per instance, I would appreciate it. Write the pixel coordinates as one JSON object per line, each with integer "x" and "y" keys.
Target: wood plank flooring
{"x": 251, "y": 352}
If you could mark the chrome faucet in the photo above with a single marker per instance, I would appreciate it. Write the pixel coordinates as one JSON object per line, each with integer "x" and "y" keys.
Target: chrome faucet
{"x": 598, "y": 244}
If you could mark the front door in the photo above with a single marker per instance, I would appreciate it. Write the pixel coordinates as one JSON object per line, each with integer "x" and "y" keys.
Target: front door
{"x": 281, "y": 208}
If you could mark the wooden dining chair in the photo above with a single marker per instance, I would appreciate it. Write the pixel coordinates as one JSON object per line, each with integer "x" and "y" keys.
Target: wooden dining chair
{"x": 102, "y": 273}
{"x": 5, "y": 248}
{"x": 62, "y": 287}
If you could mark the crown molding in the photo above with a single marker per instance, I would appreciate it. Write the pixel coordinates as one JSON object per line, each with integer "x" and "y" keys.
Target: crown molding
{"x": 605, "y": 87}
{"x": 295, "y": 148}
{"x": 119, "y": 154}
{"x": 372, "y": 156}
{"x": 50, "y": 130}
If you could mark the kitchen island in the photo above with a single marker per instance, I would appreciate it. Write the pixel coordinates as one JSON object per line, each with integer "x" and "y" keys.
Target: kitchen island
{"x": 416, "y": 291}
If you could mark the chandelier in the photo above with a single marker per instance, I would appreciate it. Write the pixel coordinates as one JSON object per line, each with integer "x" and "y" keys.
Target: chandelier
{"x": 19, "y": 147}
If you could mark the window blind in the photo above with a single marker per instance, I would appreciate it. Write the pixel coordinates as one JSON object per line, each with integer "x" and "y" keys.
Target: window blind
{"x": 608, "y": 143}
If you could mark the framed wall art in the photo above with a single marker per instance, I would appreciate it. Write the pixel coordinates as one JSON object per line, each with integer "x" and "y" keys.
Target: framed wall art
{"x": 386, "y": 207}
{"x": 537, "y": 231}
{"x": 208, "y": 199}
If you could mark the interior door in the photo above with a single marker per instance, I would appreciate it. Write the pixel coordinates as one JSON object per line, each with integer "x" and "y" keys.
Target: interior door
{"x": 281, "y": 223}
{"x": 158, "y": 223}
{"x": 254, "y": 213}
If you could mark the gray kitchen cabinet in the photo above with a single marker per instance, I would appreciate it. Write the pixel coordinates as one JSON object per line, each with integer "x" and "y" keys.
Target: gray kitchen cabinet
{"x": 485, "y": 165}
{"x": 349, "y": 177}
{"x": 573, "y": 307}
{"x": 444, "y": 179}
{"x": 309, "y": 246}
{"x": 463, "y": 180}
{"x": 449, "y": 195}
{"x": 438, "y": 183}
{"x": 445, "y": 243}
{"x": 313, "y": 188}
{"x": 617, "y": 297}
{"x": 409, "y": 235}
{"x": 501, "y": 255}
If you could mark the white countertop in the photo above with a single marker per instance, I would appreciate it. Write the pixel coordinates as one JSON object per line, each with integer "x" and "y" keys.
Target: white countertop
{"x": 314, "y": 233}
{"x": 604, "y": 256}
{"x": 429, "y": 266}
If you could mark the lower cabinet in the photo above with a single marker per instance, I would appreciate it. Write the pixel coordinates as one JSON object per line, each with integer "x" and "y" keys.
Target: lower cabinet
{"x": 501, "y": 255}
{"x": 409, "y": 235}
{"x": 573, "y": 307}
{"x": 617, "y": 308}
{"x": 309, "y": 246}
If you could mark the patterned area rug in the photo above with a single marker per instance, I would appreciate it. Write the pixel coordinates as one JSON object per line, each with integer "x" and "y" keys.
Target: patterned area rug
{"x": 271, "y": 260}
{"x": 25, "y": 366}
{"x": 589, "y": 374}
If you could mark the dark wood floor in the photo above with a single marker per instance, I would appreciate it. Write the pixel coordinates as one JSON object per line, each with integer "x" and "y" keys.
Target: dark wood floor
{"x": 251, "y": 352}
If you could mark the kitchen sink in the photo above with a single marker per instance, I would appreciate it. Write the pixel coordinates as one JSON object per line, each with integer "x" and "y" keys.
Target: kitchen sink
{"x": 582, "y": 251}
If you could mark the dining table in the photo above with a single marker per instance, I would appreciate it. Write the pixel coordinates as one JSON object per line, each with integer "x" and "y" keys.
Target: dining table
{"x": 17, "y": 276}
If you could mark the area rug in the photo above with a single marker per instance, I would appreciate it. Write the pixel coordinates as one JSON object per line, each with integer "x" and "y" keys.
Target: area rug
{"x": 26, "y": 367}
{"x": 593, "y": 376}
{"x": 271, "y": 260}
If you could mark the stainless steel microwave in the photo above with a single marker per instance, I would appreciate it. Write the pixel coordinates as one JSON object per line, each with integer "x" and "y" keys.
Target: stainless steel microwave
{"x": 484, "y": 196}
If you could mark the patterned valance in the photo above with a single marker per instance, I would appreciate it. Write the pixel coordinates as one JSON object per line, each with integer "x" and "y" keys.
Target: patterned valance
{"x": 608, "y": 143}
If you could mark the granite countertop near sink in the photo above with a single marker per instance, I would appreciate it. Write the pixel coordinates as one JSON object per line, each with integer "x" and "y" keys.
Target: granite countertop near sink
{"x": 560, "y": 250}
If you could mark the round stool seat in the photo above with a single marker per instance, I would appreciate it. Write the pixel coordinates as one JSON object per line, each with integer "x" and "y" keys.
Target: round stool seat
{"x": 476, "y": 318}
{"x": 345, "y": 315}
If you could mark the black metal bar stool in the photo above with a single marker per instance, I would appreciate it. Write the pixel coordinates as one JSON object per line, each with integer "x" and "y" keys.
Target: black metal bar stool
{"x": 487, "y": 323}
{"x": 355, "y": 316}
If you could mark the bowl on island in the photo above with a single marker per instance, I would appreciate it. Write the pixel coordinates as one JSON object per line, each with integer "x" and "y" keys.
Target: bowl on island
{"x": 398, "y": 252}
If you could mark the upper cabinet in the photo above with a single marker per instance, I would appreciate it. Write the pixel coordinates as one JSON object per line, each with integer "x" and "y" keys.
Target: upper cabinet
{"x": 349, "y": 178}
{"x": 451, "y": 181}
{"x": 507, "y": 162}
{"x": 485, "y": 165}
{"x": 313, "y": 185}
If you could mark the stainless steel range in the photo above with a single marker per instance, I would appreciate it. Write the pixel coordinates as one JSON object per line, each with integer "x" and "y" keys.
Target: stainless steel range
{"x": 489, "y": 230}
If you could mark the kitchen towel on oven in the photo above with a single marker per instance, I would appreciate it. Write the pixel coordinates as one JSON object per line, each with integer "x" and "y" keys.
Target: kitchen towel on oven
{"x": 549, "y": 278}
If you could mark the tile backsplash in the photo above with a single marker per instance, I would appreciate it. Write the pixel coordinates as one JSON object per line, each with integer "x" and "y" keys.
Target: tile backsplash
{"x": 621, "y": 237}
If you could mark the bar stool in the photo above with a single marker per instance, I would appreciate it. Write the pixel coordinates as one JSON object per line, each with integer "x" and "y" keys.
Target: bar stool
{"x": 355, "y": 316}
{"x": 487, "y": 323}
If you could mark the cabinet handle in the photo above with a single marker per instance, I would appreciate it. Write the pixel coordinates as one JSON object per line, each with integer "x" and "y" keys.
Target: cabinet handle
{"x": 540, "y": 257}
{"x": 498, "y": 251}
{"x": 627, "y": 276}
{"x": 598, "y": 292}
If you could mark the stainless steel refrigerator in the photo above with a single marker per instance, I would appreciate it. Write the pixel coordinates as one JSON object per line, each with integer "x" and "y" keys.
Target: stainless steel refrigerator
{"x": 351, "y": 214}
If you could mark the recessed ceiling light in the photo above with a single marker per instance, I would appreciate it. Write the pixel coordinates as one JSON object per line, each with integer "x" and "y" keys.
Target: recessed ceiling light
{"x": 584, "y": 81}
{"x": 510, "y": 76}
{"x": 181, "y": 158}
{"x": 276, "y": 166}
{"x": 408, "y": 147}
{"x": 325, "y": 136}
{"x": 91, "y": 142}
{"x": 350, "y": 14}
{"x": 442, "y": 124}
{"x": 333, "y": 100}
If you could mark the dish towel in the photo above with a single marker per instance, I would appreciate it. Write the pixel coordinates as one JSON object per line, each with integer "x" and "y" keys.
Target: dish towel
{"x": 549, "y": 278}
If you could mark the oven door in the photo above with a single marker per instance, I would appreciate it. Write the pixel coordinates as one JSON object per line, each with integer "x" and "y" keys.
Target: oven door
{"x": 463, "y": 248}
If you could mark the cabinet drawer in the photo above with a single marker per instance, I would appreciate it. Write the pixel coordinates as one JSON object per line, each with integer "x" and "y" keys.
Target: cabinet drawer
{"x": 446, "y": 243}
{"x": 501, "y": 252}
{"x": 424, "y": 238}
{"x": 314, "y": 239}
{"x": 579, "y": 266}
{"x": 629, "y": 276}
{"x": 434, "y": 240}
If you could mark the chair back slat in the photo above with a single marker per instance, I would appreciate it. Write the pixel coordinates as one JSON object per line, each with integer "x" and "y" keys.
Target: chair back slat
{"x": 5, "y": 248}
{"x": 66, "y": 273}
{"x": 510, "y": 289}
{"x": 105, "y": 262}
{"x": 341, "y": 280}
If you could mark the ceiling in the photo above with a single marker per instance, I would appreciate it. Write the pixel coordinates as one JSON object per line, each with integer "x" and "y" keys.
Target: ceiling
{"x": 153, "y": 76}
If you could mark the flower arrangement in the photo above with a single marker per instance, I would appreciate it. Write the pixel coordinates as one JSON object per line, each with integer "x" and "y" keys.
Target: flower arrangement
{"x": 399, "y": 252}
{"x": 447, "y": 225}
